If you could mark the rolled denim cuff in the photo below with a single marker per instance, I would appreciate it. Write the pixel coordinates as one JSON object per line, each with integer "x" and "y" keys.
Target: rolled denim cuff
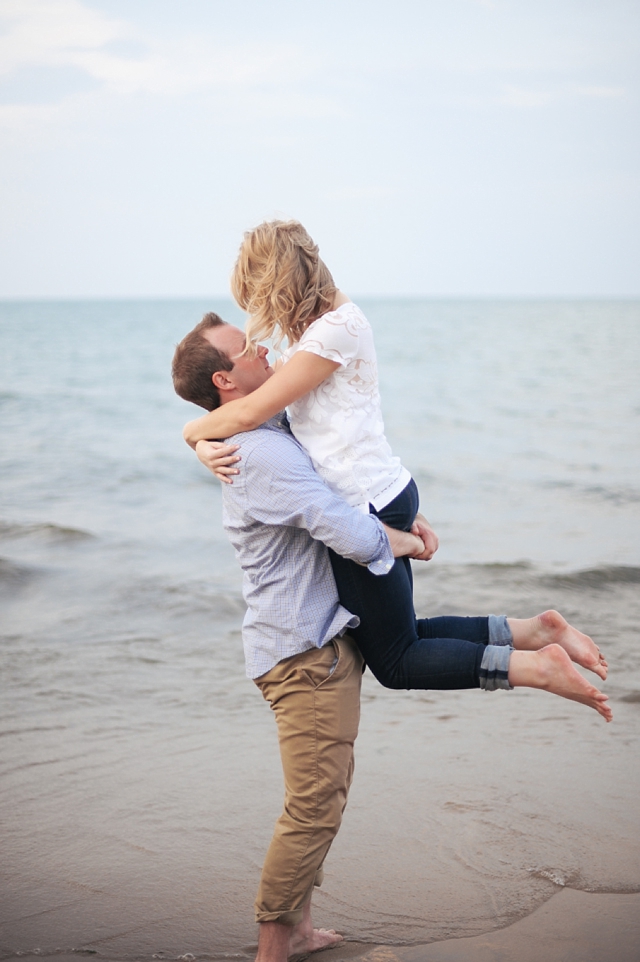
{"x": 499, "y": 630}
{"x": 494, "y": 668}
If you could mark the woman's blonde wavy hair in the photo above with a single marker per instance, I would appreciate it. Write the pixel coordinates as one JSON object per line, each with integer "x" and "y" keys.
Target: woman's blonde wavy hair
{"x": 281, "y": 282}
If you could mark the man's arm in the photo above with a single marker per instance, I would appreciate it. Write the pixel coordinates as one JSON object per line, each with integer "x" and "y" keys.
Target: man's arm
{"x": 283, "y": 488}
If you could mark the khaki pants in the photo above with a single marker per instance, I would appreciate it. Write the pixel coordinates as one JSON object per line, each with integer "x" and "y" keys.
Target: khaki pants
{"x": 317, "y": 712}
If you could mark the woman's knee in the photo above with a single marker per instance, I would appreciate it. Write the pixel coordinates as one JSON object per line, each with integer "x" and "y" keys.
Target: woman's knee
{"x": 390, "y": 677}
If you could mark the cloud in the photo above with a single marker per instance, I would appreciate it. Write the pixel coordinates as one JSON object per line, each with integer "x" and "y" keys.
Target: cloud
{"x": 601, "y": 93}
{"x": 42, "y": 84}
{"x": 530, "y": 97}
{"x": 67, "y": 34}
{"x": 188, "y": 66}
{"x": 64, "y": 64}
{"x": 359, "y": 192}
{"x": 52, "y": 33}
{"x": 523, "y": 97}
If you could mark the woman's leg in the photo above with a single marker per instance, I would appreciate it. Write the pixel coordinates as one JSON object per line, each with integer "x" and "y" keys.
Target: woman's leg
{"x": 403, "y": 652}
{"x": 401, "y": 513}
{"x": 452, "y": 652}
{"x": 438, "y": 653}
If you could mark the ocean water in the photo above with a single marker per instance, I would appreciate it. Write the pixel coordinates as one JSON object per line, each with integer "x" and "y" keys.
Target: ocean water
{"x": 140, "y": 770}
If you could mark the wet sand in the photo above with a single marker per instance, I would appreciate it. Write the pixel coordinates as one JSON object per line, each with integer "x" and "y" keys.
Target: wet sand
{"x": 472, "y": 815}
{"x": 570, "y": 927}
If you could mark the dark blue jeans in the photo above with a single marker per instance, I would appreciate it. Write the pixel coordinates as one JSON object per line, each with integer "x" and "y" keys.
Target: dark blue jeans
{"x": 401, "y": 650}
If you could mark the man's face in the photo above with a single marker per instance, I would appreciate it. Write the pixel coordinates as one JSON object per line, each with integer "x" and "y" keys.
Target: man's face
{"x": 247, "y": 373}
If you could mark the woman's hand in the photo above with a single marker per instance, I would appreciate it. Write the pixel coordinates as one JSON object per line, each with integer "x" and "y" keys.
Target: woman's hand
{"x": 218, "y": 457}
{"x": 429, "y": 538}
{"x": 404, "y": 543}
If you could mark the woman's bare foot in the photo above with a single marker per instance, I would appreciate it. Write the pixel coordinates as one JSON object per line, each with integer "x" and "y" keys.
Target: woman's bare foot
{"x": 550, "y": 628}
{"x": 550, "y": 669}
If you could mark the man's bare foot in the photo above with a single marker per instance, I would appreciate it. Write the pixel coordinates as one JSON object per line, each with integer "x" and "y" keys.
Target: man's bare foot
{"x": 312, "y": 941}
{"x": 304, "y": 938}
{"x": 550, "y": 669}
{"x": 550, "y": 628}
{"x": 278, "y": 942}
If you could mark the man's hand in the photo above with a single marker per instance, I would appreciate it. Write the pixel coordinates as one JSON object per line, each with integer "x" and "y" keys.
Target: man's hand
{"x": 403, "y": 543}
{"x": 219, "y": 458}
{"x": 425, "y": 532}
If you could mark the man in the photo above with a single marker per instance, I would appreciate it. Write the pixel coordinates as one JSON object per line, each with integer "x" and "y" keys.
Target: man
{"x": 281, "y": 518}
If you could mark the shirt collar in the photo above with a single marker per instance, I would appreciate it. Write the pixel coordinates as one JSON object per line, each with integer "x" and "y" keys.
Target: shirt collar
{"x": 279, "y": 421}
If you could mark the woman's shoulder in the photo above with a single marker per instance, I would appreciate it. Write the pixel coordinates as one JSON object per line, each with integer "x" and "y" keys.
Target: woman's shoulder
{"x": 348, "y": 316}
{"x": 342, "y": 335}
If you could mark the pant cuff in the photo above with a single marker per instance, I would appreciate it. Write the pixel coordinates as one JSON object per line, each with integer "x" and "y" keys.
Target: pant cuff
{"x": 494, "y": 668}
{"x": 499, "y": 630}
{"x": 293, "y": 916}
{"x": 284, "y": 918}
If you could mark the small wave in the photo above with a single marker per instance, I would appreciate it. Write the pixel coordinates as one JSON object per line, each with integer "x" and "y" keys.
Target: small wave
{"x": 552, "y": 875}
{"x": 191, "y": 598}
{"x": 632, "y": 698}
{"x": 48, "y": 953}
{"x": 596, "y": 577}
{"x": 14, "y": 576}
{"x": 225, "y": 604}
{"x": 573, "y": 880}
{"x": 44, "y": 532}
{"x": 618, "y": 496}
{"x": 500, "y": 569}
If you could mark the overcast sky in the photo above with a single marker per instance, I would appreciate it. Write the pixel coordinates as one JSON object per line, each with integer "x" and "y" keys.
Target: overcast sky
{"x": 437, "y": 147}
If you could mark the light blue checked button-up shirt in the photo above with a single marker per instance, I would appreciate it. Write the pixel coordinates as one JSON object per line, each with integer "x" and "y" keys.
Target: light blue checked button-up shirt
{"x": 279, "y": 516}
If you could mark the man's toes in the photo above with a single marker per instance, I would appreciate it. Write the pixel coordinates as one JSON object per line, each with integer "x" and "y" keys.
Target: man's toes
{"x": 325, "y": 937}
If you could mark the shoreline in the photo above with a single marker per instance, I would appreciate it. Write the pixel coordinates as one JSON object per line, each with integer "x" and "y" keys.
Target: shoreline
{"x": 571, "y": 926}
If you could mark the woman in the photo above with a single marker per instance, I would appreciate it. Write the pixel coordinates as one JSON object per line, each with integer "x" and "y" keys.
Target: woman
{"x": 327, "y": 380}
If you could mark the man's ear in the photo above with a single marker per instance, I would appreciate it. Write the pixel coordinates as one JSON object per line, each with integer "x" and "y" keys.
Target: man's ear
{"x": 222, "y": 381}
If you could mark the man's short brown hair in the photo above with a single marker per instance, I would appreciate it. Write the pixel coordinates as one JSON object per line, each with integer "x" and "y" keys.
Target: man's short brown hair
{"x": 195, "y": 362}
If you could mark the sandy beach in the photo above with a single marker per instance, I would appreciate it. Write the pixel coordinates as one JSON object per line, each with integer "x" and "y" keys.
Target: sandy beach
{"x": 571, "y": 926}
{"x": 478, "y": 823}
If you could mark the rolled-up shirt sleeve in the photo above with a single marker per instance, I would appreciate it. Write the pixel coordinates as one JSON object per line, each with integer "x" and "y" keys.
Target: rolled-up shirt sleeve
{"x": 284, "y": 489}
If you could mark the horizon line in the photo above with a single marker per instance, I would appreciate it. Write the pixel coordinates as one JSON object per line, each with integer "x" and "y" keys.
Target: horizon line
{"x": 61, "y": 298}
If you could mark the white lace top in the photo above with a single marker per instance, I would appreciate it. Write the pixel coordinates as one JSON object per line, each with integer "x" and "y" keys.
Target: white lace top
{"x": 340, "y": 422}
